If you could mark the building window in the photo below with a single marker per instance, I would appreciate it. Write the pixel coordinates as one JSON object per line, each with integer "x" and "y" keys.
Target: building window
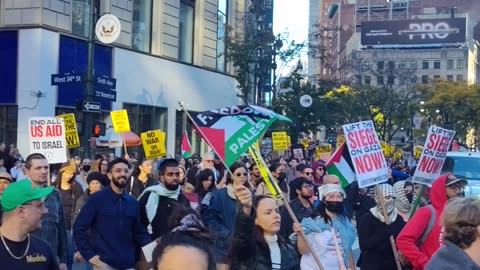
{"x": 436, "y": 77}
{"x": 460, "y": 64}
{"x": 450, "y": 78}
{"x": 413, "y": 64}
{"x": 459, "y": 78}
{"x": 141, "y": 25}
{"x": 380, "y": 80}
{"x": 186, "y": 29}
{"x": 368, "y": 80}
{"x": 425, "y": 64}
{"x": 81, "y": 17}
{"x": 391, "y": 80}
{"x": 413, "y": 79}
{"x": 402, "y": 64}
{"x": 450, "y": 64}
{"x": 221, "y": 32}
{"x": 391, "y": 65}
{"x": 436, "y": 64}
{"x": 380, "y": 65}
{"x": 368, "y": 64}
{"x": 8, "y": 124}
{"x": 143, "y": 118}
{"x": 424, "y": 79}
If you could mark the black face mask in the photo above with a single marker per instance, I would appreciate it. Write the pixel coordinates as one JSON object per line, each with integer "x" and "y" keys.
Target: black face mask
{"x": 409, "y": 197}
{"x": 334, "y": 207}
{"x": 282, "y": 176}
{"x": 86, "y": 168}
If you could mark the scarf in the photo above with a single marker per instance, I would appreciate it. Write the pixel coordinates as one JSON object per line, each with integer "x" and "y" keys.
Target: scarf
{"x": 153, "y": 199}
{"x": 385, "y": 191}
{"x": 402, "y": 202}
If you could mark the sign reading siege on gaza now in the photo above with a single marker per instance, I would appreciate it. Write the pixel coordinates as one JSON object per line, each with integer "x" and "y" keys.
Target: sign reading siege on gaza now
{"x": 71, "y": 133}
{"x": 120, "y": 121}
{"x": 433, "y": 155}
{"x": 366, "y": 153}
{"x": 47, "y": 136}
{"x": 154, "y": 143}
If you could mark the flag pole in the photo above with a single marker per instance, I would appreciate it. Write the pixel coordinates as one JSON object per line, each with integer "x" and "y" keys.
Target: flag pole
{"x": 207, "y": 140}
{"x": 387, "y": 221}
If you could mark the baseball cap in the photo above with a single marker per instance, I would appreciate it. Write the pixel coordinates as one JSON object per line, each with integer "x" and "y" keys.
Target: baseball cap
{"x": 6, "y": 176}
{"x": 99, "y": 177}
{"x": 20, "y": 193}
{"x": 452, "y": 179}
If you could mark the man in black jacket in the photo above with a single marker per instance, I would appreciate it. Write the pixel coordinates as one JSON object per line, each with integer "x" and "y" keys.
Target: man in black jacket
{"x": 157, "y": 202}
{"x": 301, "y": 205}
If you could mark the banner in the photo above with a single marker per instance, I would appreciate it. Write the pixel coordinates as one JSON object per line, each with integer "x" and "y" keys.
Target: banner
{"x": 120, "y": 121}
{"x": 366, "y": 153}
{"x": 153, "y": 144}
{"x": 272, "y": 186}
{"x": 71, "y": 133}
{"x": 47, "y": 136}
{"x": 280, "y": 141}
{"x": 433, "y": 155}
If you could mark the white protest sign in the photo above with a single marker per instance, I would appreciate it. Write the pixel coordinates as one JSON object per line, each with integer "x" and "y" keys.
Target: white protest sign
{"x": 47, "y": 136}
{"x": 433, "y": 155}
{"x": 366, "y": 153}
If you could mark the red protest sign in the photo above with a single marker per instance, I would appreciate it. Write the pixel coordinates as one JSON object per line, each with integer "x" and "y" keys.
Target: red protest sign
{"x": 366, "y": 153}
{"x": 433, "y": 155}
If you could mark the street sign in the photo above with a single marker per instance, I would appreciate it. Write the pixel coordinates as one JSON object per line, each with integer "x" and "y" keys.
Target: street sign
{"x": 103, "y": 81}
{"x": 89, "y": 106}
{"x": 107, "y": 94}
{"x": 66, "y": 78}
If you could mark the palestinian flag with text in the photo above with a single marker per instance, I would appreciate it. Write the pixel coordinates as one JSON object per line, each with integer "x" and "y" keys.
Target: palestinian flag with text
{"x": 231, "y": 130}
{"x": 340, "y": 164}
{"x": 186, "y": 147}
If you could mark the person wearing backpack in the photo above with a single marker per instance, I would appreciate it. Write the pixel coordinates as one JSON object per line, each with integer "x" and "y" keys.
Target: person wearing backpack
{"x": 418, "y": 241}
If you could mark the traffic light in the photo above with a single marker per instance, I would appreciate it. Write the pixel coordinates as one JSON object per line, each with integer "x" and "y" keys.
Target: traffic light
{"x": 330, "y": 141}
{"x": 98, "y": 129}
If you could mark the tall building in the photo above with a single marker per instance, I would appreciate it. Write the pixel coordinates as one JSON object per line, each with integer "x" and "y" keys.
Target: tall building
{"x": 168, "y": 51}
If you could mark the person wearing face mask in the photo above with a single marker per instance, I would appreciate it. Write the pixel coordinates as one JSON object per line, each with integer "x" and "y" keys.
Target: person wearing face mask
{"x": 406, "y": 196}
{"x": 374, "y": 233}
{"x": 81, "y": 178}
{"x": 278, "y": 172}
{"x": 409, "y": 241}
{"x": 328, "y": 230}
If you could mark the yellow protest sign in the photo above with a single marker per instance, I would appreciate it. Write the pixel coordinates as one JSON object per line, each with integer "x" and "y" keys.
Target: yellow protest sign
{"x": 417, "y": 151}
{"x": 71, "y": 133}
{"x": 279, "y": 141}
{"x": 271, "y": 185}
{"x": 289, "y": 140}
{"x": 305, "y": 143}
{"x": 120, "y": 121}
{"x": 154, "y": 143}
{"x": 398, "y": 154}
{"x": 322, "y": 149}
{"x": 340, "y": 140}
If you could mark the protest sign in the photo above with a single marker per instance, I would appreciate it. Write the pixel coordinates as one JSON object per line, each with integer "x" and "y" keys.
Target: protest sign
{"x": 280, "y": 141}
{"x": 340, "y": 140}
{"x": 398, "y": 154}
{"x": 47, "y": 136}
{"x": 120, "y": 121}
{"x": 366, "y": 153}
{"x": 417, "y": 152}
{"x": 433, "y": 155}
{"x": 323, "y": 152}
{"x": 71, "y": 133}
{"x": 154, "y": 143}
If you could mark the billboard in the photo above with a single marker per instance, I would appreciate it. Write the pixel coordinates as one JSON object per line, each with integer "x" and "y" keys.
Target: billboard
{"x": 414, "y": 32}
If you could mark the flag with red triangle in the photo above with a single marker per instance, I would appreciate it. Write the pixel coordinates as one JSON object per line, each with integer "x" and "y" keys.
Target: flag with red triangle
{"x": 186, "y": 146}
{"x": 230, "y": 131}
{"x": 340, "y": 164}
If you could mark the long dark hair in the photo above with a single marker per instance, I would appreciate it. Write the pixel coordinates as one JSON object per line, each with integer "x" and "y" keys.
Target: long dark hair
{"x": 203, "y": 176}
{"x": 136, "y": 169}
{"x": 233, "y": 168}
{"x": 200, "y": 238}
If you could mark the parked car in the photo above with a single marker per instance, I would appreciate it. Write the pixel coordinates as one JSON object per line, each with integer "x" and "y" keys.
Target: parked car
{"x": 465, "y": 165}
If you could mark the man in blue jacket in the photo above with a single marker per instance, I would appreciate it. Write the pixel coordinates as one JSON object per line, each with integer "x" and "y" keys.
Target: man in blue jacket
{"x": 108, "y": 232}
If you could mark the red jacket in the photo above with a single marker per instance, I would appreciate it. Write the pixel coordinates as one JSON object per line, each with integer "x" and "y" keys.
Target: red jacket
{"x": 412, "y": 232}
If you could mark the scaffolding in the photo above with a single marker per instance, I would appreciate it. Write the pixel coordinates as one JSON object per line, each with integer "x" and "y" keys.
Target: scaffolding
{"x": 381, "y": 10}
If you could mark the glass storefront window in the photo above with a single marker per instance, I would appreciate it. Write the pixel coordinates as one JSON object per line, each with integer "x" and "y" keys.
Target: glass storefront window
{"x": 80, "y": 17}
{"x": 221, "y": 32}
{"x": 8, "y": 124}
{"x": 186, "y": 29}
{"x": 142, "y": 25}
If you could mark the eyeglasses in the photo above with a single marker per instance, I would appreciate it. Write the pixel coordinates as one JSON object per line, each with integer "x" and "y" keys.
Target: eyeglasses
{"x": 457, "y": 186}
{"x": 241, "y": 174}
{"x": 307, "y": 186}
{"x": 209, "y": 160}
{"x": 308, "y": 173}
{"x": 170, "y": 174}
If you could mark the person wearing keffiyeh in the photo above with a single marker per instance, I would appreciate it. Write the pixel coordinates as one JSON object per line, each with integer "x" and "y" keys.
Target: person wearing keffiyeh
{"x": 374, "y": 232}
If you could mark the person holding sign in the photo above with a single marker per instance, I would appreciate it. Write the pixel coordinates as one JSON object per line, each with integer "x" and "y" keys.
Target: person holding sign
{"x": 328, "y": 230}
{"x": 374, "y": 232}
{"x": 256, "y": 244}
{"x": 222, "y": 212}
{"x": 409, "y": 241}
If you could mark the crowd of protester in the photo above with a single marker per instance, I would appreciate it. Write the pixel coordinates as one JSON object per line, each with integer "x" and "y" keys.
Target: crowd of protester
{"x": 201, "y": 215}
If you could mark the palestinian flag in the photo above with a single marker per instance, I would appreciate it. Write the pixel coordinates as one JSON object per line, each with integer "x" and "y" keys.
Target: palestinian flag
{"x": 230, "y": 131}
{"x": 186, "y": 146}
{"x": 340, "y": 164}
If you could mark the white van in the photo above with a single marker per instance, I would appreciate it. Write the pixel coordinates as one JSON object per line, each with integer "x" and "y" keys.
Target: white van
{"x": 465, "y": 165}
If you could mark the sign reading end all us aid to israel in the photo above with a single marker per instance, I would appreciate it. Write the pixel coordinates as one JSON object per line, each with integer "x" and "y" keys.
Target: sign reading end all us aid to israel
{"x": 433, "y": 155}
{"x": 47, "y": 137}
{"x": 366, "y": 153}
